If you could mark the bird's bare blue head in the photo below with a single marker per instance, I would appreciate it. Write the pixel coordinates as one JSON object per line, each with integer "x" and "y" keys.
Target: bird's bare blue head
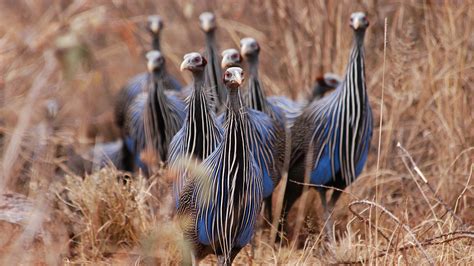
{"x": 359, "y": 22}
{"x": 155, "y": 61}
{"x": 207, "y": 21}
{"x": 155, "y": 24}
{"x": 249, "y": 47}
{"x": 230, "y": 58}
{"x": 193, "y": 62}
{"x": 233, "y": 77}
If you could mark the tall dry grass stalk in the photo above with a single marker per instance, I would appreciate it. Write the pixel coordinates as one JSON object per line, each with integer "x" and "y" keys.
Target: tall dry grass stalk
{"x": 427, "y": 94}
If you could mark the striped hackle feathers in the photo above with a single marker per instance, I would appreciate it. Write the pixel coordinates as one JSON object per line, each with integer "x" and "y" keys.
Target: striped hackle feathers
{"x": 339, "y": 126}
{"x": 200, "y": 133}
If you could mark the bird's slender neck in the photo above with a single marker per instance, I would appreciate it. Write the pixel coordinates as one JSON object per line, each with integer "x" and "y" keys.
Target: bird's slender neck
{"x": 157, "y": 114}
{"x": 214, "y": 71}
{"x": 355, "y": 73}
{"x": 234, "y": 101}
{"x": 236, "y": 140}
{"x": 198, "y": 78}
{"x": 318, "y": 92}
{"x": 359, "y": 36}
{"x": 253, "y": 66}
{"x": 256, "y": 99}
{"x": 155, "y": 41}
{"x": 201, "y": 130}
{"x": 157, "y": 95}
{"x": 210, "y": 39}
{"x": 158, "y": 75}
{"x": 354, "y": 116}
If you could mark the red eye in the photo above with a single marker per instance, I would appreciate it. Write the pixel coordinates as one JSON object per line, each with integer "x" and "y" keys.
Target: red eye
{"x": 228, "y": 75}
{"x": 196, "y": 60}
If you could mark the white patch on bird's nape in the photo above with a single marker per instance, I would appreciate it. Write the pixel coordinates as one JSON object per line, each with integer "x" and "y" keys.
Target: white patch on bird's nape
{"x": 358, "y": 15}
{"x": 191, "y": 55}
{"x": 206, "y": 16}
{"x": 230, "y": 52}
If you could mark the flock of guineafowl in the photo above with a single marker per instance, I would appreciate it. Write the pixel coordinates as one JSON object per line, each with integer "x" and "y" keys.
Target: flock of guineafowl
{"x": 242, "y": 138}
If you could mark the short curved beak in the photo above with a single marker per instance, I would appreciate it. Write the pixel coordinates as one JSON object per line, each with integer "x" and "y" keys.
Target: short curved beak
{"x": 184, "y": 65}
{"x": 206, "y": 25}
{"x": 226, "y": 62}
{"x": 356, "y": 24}
{"x": 239, "y": 79}
{"x": 245, "y": 49}
{"x": 155, "y": 26}
{"x": 152, "y": 66}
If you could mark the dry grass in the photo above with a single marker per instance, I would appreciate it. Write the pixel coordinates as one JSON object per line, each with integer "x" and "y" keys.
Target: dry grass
{"x": 106, "y": 213}
{"x": 416, "y": 207}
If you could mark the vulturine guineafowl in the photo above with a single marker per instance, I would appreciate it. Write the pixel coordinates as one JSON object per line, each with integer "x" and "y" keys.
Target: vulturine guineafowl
{"x": 200, "y": 133}
{"x": 155, "y": 27}
{"x": 138, "y": 83}
{"x": 338, "y": 128}
{"x": 153, "y": 117}
{"x": 218, "y": 211}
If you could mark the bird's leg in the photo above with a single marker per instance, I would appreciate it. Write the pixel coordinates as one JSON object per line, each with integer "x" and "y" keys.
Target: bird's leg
{"x": 127, "y": 158}
{"x": 253, "y": 245}
{"x": 224, "y": 261}
{"x": 334, "y": 197}
{"x": 292, "y": 193}
{"x": 268, "y": 209}
{"x": 235, "y": 251}
{"x": 194, "y": 261}
{"x": 327, "y": 213}
{"x": 257, "y": 236}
